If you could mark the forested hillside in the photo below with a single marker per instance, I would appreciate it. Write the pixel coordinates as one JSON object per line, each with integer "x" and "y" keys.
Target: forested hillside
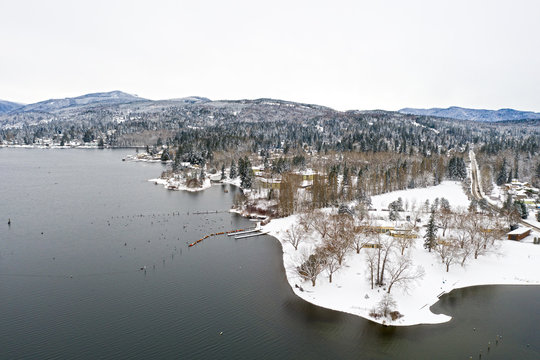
{"x": 393, "y": 150}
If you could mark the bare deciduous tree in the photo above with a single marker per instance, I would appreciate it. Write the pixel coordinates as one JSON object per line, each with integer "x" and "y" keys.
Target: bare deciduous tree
{"x": 385, "y": 245}
{"x": 312, "y": 265}
{"x": 402, "y": 272}
{"x": 359, "y": 240}
{"x": 448, "y": 251}
{"x": 371, "y": 260}
{"x": 362, "y": 235}
{"x": 339, "y": 239}
{"x": 444, "y": 219}
{"x": 306, "y": 219}
{"x": 331, "y": 264}
{"x": 321, "y": 223}
{"x": 386, "y": 305}
{"x": 406, "y": 240}
{"x": 294, "y": 235}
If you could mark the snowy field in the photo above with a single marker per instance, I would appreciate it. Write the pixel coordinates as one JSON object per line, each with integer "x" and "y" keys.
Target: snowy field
{"x": 450, "y": 190}
{"x": 510, "y": 263}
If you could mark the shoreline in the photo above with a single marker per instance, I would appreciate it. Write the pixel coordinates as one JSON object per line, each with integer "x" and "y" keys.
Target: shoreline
{"x": 414, "y": 306}
{"x": 350, "y": 294}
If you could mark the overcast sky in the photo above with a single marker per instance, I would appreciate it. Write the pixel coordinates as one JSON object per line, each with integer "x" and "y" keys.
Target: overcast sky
{"x": 384, "y": 54}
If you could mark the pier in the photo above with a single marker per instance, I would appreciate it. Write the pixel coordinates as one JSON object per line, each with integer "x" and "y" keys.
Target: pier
{"x": 242, "y": 232}
{"x": 253, "y": 234}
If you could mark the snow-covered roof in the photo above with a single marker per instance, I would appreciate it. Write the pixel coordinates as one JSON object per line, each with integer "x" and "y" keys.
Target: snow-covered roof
{"x": 308, "y": 172}
{"x": 519, "y": 231}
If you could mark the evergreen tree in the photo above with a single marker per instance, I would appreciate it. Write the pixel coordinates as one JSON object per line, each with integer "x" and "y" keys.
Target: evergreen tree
{"x": 393, "y": 215}
{"x": 522, "y": 209}
{"x": 242, "y": 167}
{"x": 165, "y": 155}
{"x": 457, "y": 169}
{"x": 232, "y": 171}
{"x": 502, "y": 174}
{"x": 445, "y": 204}
{"x": 435, "y": 205}
{"x": 245, "y": 172}
{"x": 177, "y": 161}
{"x": 65, "y": 139}
{"x": 395, "y": 207}
{"x": 247, "y": 181}
{"x": 202, "y": 175}
{"x": 223, "y": 172}
{"x": 483, "y": 205}
{"x": 473, "y": 206}
{"x": 88, "y": 136}
{"x": 431, "y": 233}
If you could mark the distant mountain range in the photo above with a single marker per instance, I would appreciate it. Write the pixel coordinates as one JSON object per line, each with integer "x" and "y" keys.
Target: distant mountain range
{"x": 121, "y": 119}
{"x": 459, "y": 113}
{"x": 119, "y": 98}
{"x": 52, "y": 105}
{"x": 7, "y": 106}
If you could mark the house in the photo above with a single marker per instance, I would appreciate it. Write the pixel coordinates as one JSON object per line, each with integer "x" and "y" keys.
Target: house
{"x": 403, "y": 233}
{"x": 377, "y": 229}
{"x": 371, "y": 246}
{"x": 270, "y": 183}
{"x": 519, "y": 233}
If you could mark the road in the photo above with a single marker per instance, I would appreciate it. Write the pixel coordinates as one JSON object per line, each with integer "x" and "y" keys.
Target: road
{"x": 475, "y": 184}
{"x": 477, "y": 192}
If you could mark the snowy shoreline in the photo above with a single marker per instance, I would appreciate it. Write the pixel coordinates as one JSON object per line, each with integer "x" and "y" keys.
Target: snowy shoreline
{"x": 513, "y": 263}
{"x": 347, "y": 291}
{"x": 178, "y": 185}
{"x": 168, "y": 183}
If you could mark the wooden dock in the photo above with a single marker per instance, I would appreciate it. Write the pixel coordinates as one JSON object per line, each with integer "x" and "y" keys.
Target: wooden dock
{"x": 258, "y": 233}
{"x": 242, "y": 232}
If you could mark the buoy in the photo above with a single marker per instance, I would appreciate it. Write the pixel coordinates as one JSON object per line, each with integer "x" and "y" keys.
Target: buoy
{"x": 221, "y": 333}
{"x": 9, "y": 221}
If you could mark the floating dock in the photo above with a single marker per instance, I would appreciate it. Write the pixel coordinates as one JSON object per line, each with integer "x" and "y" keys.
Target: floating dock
{"x": 258, "y": 233}
{"x": 242, "y": 232}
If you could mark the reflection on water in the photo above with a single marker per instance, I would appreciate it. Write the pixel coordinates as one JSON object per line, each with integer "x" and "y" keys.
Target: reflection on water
{"x": 71, "y": 285}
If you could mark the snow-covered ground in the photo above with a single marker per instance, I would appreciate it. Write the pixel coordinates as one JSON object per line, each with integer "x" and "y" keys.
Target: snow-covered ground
{"x": 532, "y": 219}
{"x": 174, "y": 183}
{"x": 451, "y": 190}
{"x": 511, "y": 263}
{"x": 180, "y": 185}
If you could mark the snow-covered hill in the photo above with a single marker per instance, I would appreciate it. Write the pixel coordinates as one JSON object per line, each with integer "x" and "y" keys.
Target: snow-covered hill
{"x": 455, "y": 112}
{"x": 7, "y": 106}
{"x": 103, "y": 98}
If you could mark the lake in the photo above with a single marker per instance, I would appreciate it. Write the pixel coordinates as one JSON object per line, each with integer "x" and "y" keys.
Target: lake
{"x": 84, "y": 223}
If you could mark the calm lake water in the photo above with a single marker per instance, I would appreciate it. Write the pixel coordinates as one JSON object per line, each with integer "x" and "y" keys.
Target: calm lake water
{"x": 84, "y": 223}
